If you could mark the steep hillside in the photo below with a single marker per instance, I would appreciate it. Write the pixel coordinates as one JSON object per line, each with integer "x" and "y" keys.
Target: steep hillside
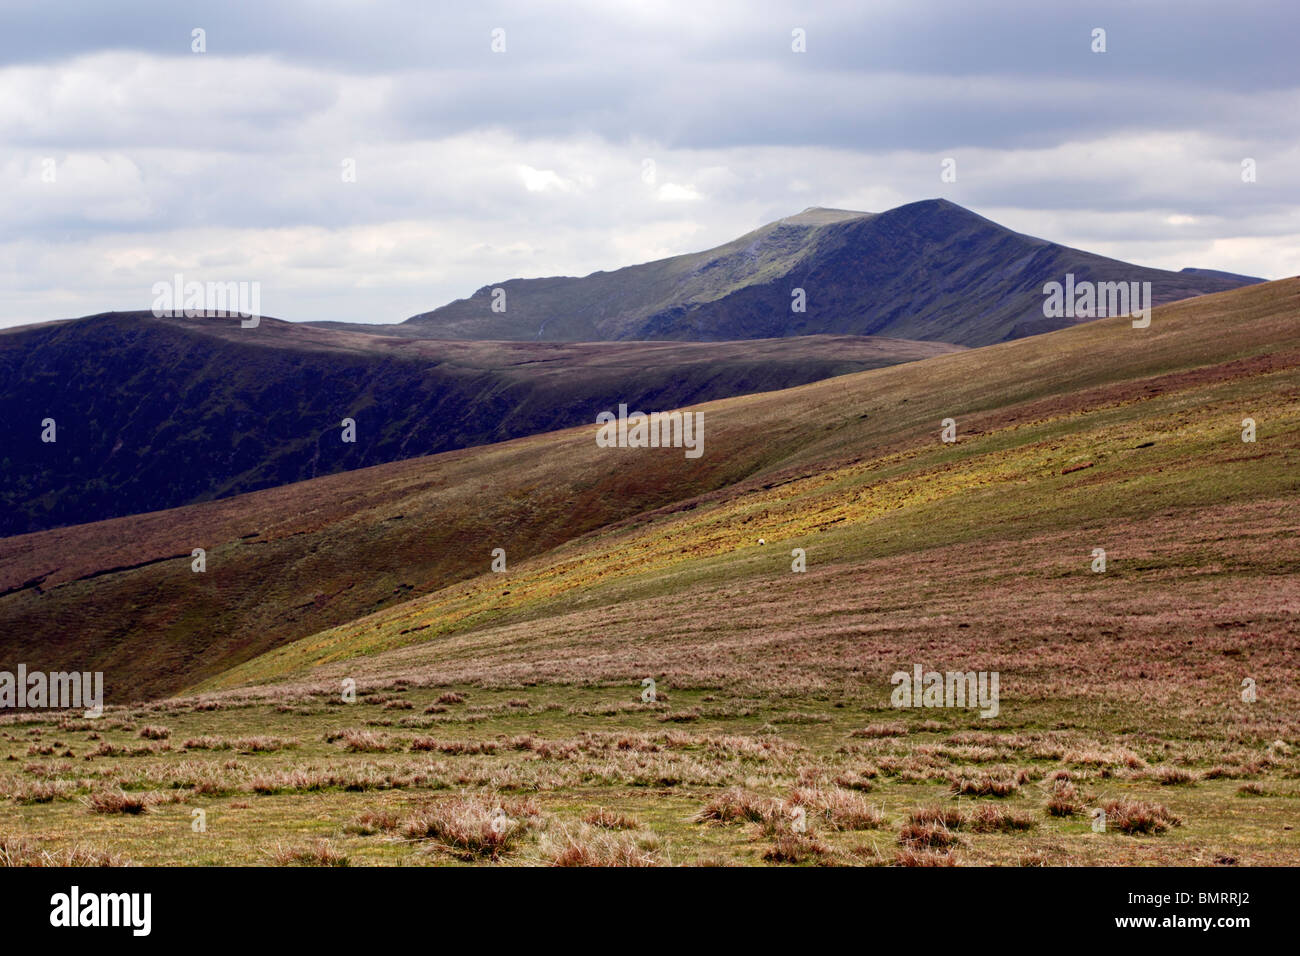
{"x": 668, "y": 689}
{"x": 1061, "y": 420}
{"x": 120, "y": 596}
{"x": 155, "y": 413}
{"x": 928, "y": 270}
{"x": 1098, "y": 436}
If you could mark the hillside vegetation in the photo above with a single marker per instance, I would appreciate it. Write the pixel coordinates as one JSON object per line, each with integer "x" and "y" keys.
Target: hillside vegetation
{"x": 156, "y": 413}
{"x": 520, "y": 695}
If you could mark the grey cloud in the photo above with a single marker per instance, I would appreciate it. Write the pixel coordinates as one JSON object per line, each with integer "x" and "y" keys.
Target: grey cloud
{"x": 166, "y": 157}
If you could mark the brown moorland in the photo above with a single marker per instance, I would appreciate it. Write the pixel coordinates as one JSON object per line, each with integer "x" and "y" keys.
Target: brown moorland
{"x": 1159, "y": 690}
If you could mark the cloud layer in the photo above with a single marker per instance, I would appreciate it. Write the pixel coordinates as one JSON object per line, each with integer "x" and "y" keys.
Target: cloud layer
{"x": 365, "y": 162}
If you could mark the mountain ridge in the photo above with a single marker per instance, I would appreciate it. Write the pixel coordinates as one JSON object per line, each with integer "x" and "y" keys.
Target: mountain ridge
{"x": 160, "y": 412}
{"x": 930, "y": 270}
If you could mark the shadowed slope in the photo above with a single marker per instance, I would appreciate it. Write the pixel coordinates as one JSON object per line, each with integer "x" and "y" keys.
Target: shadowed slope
{"x": 154, "y": 413}
{"x": 928, "y": 270}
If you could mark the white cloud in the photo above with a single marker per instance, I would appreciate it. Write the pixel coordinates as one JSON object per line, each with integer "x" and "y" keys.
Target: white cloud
{"x": 671, "y": 192}
{"x": 545, "y": 180}
{"x": 472, "y": 168}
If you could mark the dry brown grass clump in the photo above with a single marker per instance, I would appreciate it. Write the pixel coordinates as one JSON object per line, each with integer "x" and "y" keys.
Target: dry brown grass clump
{"x": 987, "y": 818}
{"x": 913, "y": 857}
{"x": 362, "y": 741}
{"x": 1139, "y": 816}
{"x": 106, "y": 749}
{"x": 472, "y": 826}
{"x": 838, "y": 809}
{"x": 246, "y": 745}
{"x": 985, "y": 785}
{"x": 451, "y": 697}
{"x": 595, "y": 848}
{"x": 931, "y": 828}
{"x": 927, "y": 836}
{"x": 40, "y": 791}
{"x": 608, "y": 820}
{"x": 739, "y": 806}
{"x": 22, "y": 852}
{"x": 792, "y": 847}
{"x": 949, "y": 817}
{"x": 155, "y": 733}
{"x": 858, "y": 779}
{"x": 1172, "y": 776}
{"x": 117, "y": 801}
{"x": 261, "y": 744}
{"x": 454, "y": 747}
{"x": 895, "y": 729}
{"x": 1064, "y": 800}
{"x": 319, "y": 853}
{"x": 374, "y": 821}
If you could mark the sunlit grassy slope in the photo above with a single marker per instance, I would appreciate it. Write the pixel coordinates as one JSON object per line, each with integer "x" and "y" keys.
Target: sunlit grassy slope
{"x": 119, "y": 596}
{"x": 1078, "y": 433}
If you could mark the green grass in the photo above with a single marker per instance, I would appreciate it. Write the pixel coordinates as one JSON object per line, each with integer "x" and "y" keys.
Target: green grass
{"x": 661, "y": 791}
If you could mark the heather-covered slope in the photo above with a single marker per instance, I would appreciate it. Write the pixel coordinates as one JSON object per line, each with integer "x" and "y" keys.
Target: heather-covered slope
{"x": 1097, "y": 436}
{"x": 154, "y": 413}
{"x": 1056, "y": 431}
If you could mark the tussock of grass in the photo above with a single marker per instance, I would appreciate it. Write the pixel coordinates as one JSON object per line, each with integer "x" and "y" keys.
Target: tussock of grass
{"x": 838, "y": 809}
{"x": 608, "y": 820}
{"x": 927, "y": 836}
{"x": 909, "y": 856}
{"x": 594, "y": 847}
{"x": 319, "y": 853}
{"x": 739, "y": 806}
{"x": 472, "y": 826}
{"x": 21, "y": 852}
{"x": 117, "y": 801}
{"x": 985, "y": 785}
{"x": 987, "y": 818}
{"x": 363, "y": 741}
{"x": 896, "y": 729}
{"x": 1139, "y": 816}
{"x": 1172, "y": 776}
{"x": 791, "y": 847}
{"x": 1064, "y": 800}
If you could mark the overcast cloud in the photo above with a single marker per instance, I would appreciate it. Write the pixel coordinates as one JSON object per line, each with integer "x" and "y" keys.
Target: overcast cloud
{"x": 474, "y": 166}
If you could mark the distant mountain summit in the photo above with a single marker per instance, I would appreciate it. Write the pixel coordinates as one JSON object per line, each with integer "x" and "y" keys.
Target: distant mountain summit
{"x": 158, "y": 412}
{"x": 928, "y": 270}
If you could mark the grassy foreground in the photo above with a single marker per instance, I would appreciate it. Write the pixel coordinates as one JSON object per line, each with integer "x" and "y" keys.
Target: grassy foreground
{"x": 595, "y": 776}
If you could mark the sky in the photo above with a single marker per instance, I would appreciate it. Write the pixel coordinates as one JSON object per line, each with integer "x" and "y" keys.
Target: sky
{"x": 367, "y": 161}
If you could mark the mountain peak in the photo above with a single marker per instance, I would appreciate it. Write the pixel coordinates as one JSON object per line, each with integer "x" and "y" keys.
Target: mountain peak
{"x": 822, "y": 215}
{"x": 930, "y": 270}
